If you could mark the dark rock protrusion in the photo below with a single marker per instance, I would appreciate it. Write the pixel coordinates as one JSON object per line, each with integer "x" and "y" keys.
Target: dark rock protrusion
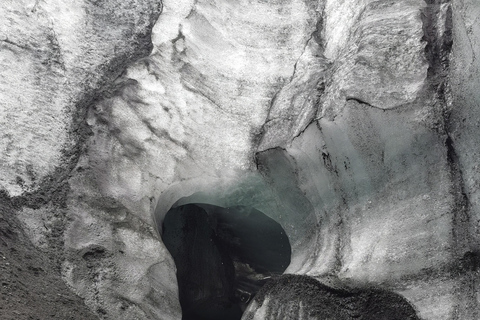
{"x": 302, "y": 297}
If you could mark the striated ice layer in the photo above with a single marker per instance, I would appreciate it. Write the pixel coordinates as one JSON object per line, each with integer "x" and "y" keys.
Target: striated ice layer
{"x": 180, "y": 123}
{"x": 353, "y": 124}
{"x": 465, "y": 114}
{"x": 325, "y": 117}
{"x": 55, "y": 58}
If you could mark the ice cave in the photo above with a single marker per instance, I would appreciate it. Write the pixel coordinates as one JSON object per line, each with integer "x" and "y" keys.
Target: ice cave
{"x": 239, "y": 160}
{"x": 223, "y": 257}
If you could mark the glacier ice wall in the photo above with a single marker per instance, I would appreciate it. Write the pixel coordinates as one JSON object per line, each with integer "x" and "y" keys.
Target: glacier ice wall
{"x": 353, "y": 124}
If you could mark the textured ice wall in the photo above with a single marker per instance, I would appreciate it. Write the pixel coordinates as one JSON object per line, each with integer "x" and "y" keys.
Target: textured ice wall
{"x": 379, "y": 154}
{"x": 464, "y": 118}
{"x": 57, "y": 59}
{"x": 463, "y": 127}
{"x": 376, "y": 163}
{"x": 181, "y": 121}
{"x": 54, "y": 57}
{"x": 348, "y": 122}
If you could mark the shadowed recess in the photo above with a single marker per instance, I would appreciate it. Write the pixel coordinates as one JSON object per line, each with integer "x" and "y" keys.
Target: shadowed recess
{"x": 223, "y": 256}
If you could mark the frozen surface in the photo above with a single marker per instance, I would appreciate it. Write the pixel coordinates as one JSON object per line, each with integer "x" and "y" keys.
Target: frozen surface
{"x": 353, "y": 124}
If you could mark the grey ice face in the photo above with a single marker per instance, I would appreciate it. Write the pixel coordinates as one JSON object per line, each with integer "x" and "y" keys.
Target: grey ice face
{"x": 352, "y": 124}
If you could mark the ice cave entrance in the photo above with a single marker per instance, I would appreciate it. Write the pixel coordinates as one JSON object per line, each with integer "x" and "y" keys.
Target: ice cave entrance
{"x": 223, "y": 256}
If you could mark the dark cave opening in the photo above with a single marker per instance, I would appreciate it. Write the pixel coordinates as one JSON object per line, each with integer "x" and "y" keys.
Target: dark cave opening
{"x": 223, "y": 257}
